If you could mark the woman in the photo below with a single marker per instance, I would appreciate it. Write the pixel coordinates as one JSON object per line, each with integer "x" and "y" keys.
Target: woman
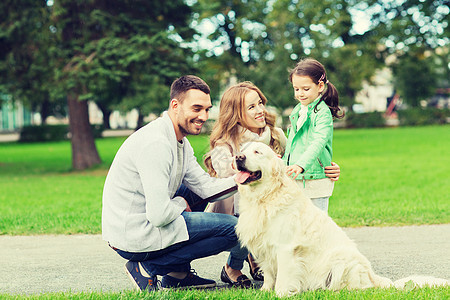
{"x": 242, "y": 118}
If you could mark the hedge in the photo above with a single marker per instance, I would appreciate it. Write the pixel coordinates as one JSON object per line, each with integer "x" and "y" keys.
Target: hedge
{"x": 43, "y": 133}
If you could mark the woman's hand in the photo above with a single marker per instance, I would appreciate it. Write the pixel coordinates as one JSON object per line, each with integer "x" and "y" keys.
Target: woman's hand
{"x": 333, "y": 171}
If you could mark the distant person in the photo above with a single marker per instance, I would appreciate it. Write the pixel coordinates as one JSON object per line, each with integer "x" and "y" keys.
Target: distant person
{"x": 309, "y": 146}
{"x": 243, "y": 117}
{"x": 149, "y": 191}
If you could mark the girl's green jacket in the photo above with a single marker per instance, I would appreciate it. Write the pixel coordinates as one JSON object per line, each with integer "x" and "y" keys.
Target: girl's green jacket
{"x": 311, "y": 146}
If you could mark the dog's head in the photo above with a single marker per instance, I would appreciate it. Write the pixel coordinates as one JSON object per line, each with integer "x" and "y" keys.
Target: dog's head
{"x": 257, "y": 163}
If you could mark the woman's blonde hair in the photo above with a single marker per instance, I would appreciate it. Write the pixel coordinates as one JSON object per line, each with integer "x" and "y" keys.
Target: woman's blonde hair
{"x": 226, "y": 131}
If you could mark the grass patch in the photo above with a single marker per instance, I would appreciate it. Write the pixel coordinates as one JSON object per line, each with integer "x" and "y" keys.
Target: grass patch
{"x": 226, "y": 294}
{"x": 390, "y": 176}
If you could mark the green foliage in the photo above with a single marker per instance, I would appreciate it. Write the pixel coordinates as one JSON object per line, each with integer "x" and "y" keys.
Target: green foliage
{"x": 364, "y": 120}
{"x": 415, "y": 77}
{"x": 267, "y": 38}
{"x": 123, "y": 56}
{"x": 25, "y": 61}
{"x": 423, "y": 116}
{"x": 44, "y": 133}
{"x": 263, "y": 39}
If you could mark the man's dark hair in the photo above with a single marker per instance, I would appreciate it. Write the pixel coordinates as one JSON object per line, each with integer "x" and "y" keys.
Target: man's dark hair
{"x": 185, "y": 83}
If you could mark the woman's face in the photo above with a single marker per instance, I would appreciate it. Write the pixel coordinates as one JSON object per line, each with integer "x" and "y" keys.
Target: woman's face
{"x": 254, "y": 117}
{"x": 305, "y": 90}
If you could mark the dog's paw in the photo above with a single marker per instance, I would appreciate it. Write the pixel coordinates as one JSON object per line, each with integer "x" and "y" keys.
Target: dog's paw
{"x": 284, "y": 293}
{"x": 266, "y": 287}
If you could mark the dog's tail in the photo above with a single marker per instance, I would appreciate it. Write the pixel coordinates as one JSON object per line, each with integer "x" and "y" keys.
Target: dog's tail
{"x": 355, "y": 276}
{"x": 420, "y": 281}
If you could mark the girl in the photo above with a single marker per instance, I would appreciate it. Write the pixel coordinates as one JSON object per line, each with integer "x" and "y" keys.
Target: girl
{"x": 308, "y": 150}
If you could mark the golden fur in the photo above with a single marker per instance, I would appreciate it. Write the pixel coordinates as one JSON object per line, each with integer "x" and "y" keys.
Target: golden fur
{"x": 298, "y": 246}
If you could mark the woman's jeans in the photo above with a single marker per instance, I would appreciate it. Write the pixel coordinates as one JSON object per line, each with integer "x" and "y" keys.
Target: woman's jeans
{"x": 209, "y": 234}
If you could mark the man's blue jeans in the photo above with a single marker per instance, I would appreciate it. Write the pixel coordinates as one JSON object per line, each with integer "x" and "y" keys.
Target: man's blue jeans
{"x": 209, "y": 234}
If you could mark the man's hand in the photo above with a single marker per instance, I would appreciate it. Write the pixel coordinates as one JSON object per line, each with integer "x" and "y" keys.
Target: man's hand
{"x": 294, "y": 171}
{"x": 333, "y": 171}
{"x": 188, "y": 208}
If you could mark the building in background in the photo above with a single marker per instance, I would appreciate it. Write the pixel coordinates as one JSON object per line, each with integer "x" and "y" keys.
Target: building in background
{"x": 13, "y": 115}
{"x": 374, "y": 96}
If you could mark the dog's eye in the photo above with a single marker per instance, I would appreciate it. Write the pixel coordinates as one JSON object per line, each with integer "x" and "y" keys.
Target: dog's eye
{"x": 257, "y": 152}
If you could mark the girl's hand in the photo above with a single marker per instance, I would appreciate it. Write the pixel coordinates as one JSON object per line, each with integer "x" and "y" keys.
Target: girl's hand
{"x": 294, "y": 170}
{"x": 333, "y": 171}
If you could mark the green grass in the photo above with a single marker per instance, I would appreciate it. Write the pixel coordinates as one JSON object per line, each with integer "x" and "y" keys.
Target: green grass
{"x": 237, "y": 294}
{"x": 394, "y": 176}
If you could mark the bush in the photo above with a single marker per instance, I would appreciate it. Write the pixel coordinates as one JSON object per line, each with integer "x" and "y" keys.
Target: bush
{"x": 97, "y": 130}
{"x": 423, "y": 116}
{"x": 45, "y": 133}
{"x": 364, "y": 120}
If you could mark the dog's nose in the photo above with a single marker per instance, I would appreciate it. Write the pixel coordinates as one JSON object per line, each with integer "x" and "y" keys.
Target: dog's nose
{"x": 240, "y": 157}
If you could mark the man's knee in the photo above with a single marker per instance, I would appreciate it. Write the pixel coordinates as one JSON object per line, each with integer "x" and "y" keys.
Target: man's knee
{"x": 229, "y": 222}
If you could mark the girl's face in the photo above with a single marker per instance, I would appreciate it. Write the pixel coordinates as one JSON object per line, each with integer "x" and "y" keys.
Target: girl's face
{"x": 306, "y": 91}
{"x": 254, "y": 117}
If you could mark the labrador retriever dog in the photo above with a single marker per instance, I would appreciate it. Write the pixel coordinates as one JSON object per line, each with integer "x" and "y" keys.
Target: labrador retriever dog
{"x": 297, "y": 245}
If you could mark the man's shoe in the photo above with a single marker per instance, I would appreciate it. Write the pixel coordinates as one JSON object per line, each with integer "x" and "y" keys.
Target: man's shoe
{"x": 190, "y": 281}
{"x": 140, "y": 277}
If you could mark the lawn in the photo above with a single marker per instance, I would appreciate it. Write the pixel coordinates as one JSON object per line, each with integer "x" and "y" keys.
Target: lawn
{"x": 390, "y": 176}
{"x": 238, "y": 294}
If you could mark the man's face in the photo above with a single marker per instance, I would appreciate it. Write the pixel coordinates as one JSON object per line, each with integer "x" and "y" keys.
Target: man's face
{"x": 192, "y": 113}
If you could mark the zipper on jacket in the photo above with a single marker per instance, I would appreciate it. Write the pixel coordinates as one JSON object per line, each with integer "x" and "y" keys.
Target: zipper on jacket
{"x": 320, "y": 163}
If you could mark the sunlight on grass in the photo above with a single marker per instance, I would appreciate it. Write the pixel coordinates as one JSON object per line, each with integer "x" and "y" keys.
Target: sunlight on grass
{"x": 238, "y": 294}
{"x": 390, "y": 176}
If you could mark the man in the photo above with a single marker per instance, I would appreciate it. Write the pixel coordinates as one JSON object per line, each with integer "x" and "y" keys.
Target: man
{"x": 151, "y": 186}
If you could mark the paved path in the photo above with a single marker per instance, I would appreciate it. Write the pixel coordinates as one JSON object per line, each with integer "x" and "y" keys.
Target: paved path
{"x": 42, "y": 264}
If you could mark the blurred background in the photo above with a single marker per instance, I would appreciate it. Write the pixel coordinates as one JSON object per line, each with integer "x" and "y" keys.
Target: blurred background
{"x": 98, "y": 65}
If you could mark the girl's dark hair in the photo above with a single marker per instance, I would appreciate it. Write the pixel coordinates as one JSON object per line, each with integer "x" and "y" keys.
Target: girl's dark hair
{"x": 316, "y": 71}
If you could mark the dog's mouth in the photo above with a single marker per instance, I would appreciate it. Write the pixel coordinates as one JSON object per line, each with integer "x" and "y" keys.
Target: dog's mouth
{"x": 245, "y": 176}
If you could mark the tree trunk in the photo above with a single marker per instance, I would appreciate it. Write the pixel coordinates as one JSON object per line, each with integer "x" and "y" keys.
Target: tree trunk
{"x": 140, "y": 121}
{"x": 106, "y": 114}
{"x": 84, "y": 151}
{"x": 45, "y": 110}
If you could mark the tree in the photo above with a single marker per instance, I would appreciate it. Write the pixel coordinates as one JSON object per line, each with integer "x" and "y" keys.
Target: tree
{"x": 25, "y": 73}
{"x": 415, "y": 77}
{"x": 266, "y": 39}
{"x": 117, "y": 53}
{"x": 110, "y": 46}
{"x": 260, "y": 40}
{"x": 415, "y": 33}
